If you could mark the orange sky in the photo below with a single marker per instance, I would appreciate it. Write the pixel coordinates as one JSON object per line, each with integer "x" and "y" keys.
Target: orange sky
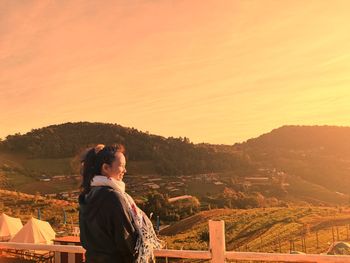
{"x": 213, "y": 71}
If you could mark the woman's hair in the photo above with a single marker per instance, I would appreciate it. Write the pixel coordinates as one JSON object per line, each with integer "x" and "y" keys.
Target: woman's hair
{"x": 92, "y": 161}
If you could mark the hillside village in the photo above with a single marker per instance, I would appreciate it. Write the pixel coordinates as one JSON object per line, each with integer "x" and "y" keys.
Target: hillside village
{"x": 142, "y": 185}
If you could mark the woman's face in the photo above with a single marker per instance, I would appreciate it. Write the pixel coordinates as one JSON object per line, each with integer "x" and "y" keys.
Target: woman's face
{"x": 116, "y": 169}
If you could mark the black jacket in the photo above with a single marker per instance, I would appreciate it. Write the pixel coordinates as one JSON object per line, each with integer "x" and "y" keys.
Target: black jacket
{"x": 106, "y": 229}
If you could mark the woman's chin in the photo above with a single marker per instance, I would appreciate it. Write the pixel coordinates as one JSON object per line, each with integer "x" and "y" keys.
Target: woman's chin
{"x": 118, "y": 177}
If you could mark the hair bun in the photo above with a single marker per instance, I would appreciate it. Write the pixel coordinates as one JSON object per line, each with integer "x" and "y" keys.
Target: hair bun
{"x": 98, "y": 148}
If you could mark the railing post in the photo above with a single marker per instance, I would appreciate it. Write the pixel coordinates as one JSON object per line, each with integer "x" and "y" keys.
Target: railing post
{"x": 217, "y": 241}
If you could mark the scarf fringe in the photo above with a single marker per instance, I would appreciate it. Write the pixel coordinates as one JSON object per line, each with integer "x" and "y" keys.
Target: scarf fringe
{"x": 147, "y": 240}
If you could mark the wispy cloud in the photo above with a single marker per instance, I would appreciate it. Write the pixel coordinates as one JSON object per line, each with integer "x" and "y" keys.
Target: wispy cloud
{"x": 218, "y": 72}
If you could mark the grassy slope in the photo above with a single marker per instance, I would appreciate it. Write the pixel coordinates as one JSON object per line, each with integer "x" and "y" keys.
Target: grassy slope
{"x": 300, "y": 189}
{"x": 49, "y": 166}
{"x": 25, "y": 206}
{"x": 262, "y": 229}
{"x": 21, "y": 174}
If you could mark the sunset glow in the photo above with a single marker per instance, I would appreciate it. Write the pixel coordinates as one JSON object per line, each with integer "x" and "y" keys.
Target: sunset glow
{"x": 213, "y": 71}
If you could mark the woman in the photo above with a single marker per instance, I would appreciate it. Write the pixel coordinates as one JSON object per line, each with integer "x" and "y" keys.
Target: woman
{"x": 112, "y": 227}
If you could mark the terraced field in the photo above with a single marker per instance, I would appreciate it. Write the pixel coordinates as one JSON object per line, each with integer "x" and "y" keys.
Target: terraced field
{"x": 310, "y": 229}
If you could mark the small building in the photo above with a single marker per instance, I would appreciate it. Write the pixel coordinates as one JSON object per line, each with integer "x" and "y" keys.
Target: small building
{"x": 59, "y": 177}
{"x": 256, "y": 180}
{"x": 45, "y": 179}
{"x": 155, "y": 179}
{"x": 153, "y": 186}
{"x": 178, "y": 198}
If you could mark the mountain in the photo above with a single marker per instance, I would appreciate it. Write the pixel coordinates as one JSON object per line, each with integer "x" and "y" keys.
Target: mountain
{"x": 333, "y": 140}
{"x": 317, "y": 154}
{"x": 170, "y": 156}
{"x": 55, "y": 150}
{"x": 290, "y": 164}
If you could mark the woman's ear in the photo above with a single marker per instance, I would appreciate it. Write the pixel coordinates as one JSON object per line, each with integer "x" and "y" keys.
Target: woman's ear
{"x": 105, "y": 169}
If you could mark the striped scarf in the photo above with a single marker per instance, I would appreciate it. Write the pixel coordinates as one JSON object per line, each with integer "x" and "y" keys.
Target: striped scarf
{"x": 147, "y": 239}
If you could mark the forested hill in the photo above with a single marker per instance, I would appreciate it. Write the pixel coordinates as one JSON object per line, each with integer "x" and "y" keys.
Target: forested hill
{"x": 169, "y": 155}
{"x": 328, "y": 139}
{"x": 314, "y": 158}
{"x": 318, "y": 154}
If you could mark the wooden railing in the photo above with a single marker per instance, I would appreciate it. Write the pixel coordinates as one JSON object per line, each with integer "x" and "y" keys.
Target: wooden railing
{"x": 216, "y": 254}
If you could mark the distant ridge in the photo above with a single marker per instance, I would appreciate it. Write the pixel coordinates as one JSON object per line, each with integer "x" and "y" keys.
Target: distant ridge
{"x": 318, "y": 154}
{"x": 171, "y": 156}
{"x": 331, "y": 138}
{"x": 315, "y": 159}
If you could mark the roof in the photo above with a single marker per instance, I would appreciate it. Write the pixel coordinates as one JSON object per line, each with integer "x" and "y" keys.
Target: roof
{"x": 9, "y": 226}
{"x": 177, "y": 198}
{"x": 69, "y": 239}
{"x": 256, "y": 178}
{"x": 35, "y": 231}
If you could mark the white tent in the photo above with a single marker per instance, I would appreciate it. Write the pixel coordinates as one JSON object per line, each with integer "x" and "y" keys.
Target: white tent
{"x": 9, "y": 226}
{"x": 35, "y": 231}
